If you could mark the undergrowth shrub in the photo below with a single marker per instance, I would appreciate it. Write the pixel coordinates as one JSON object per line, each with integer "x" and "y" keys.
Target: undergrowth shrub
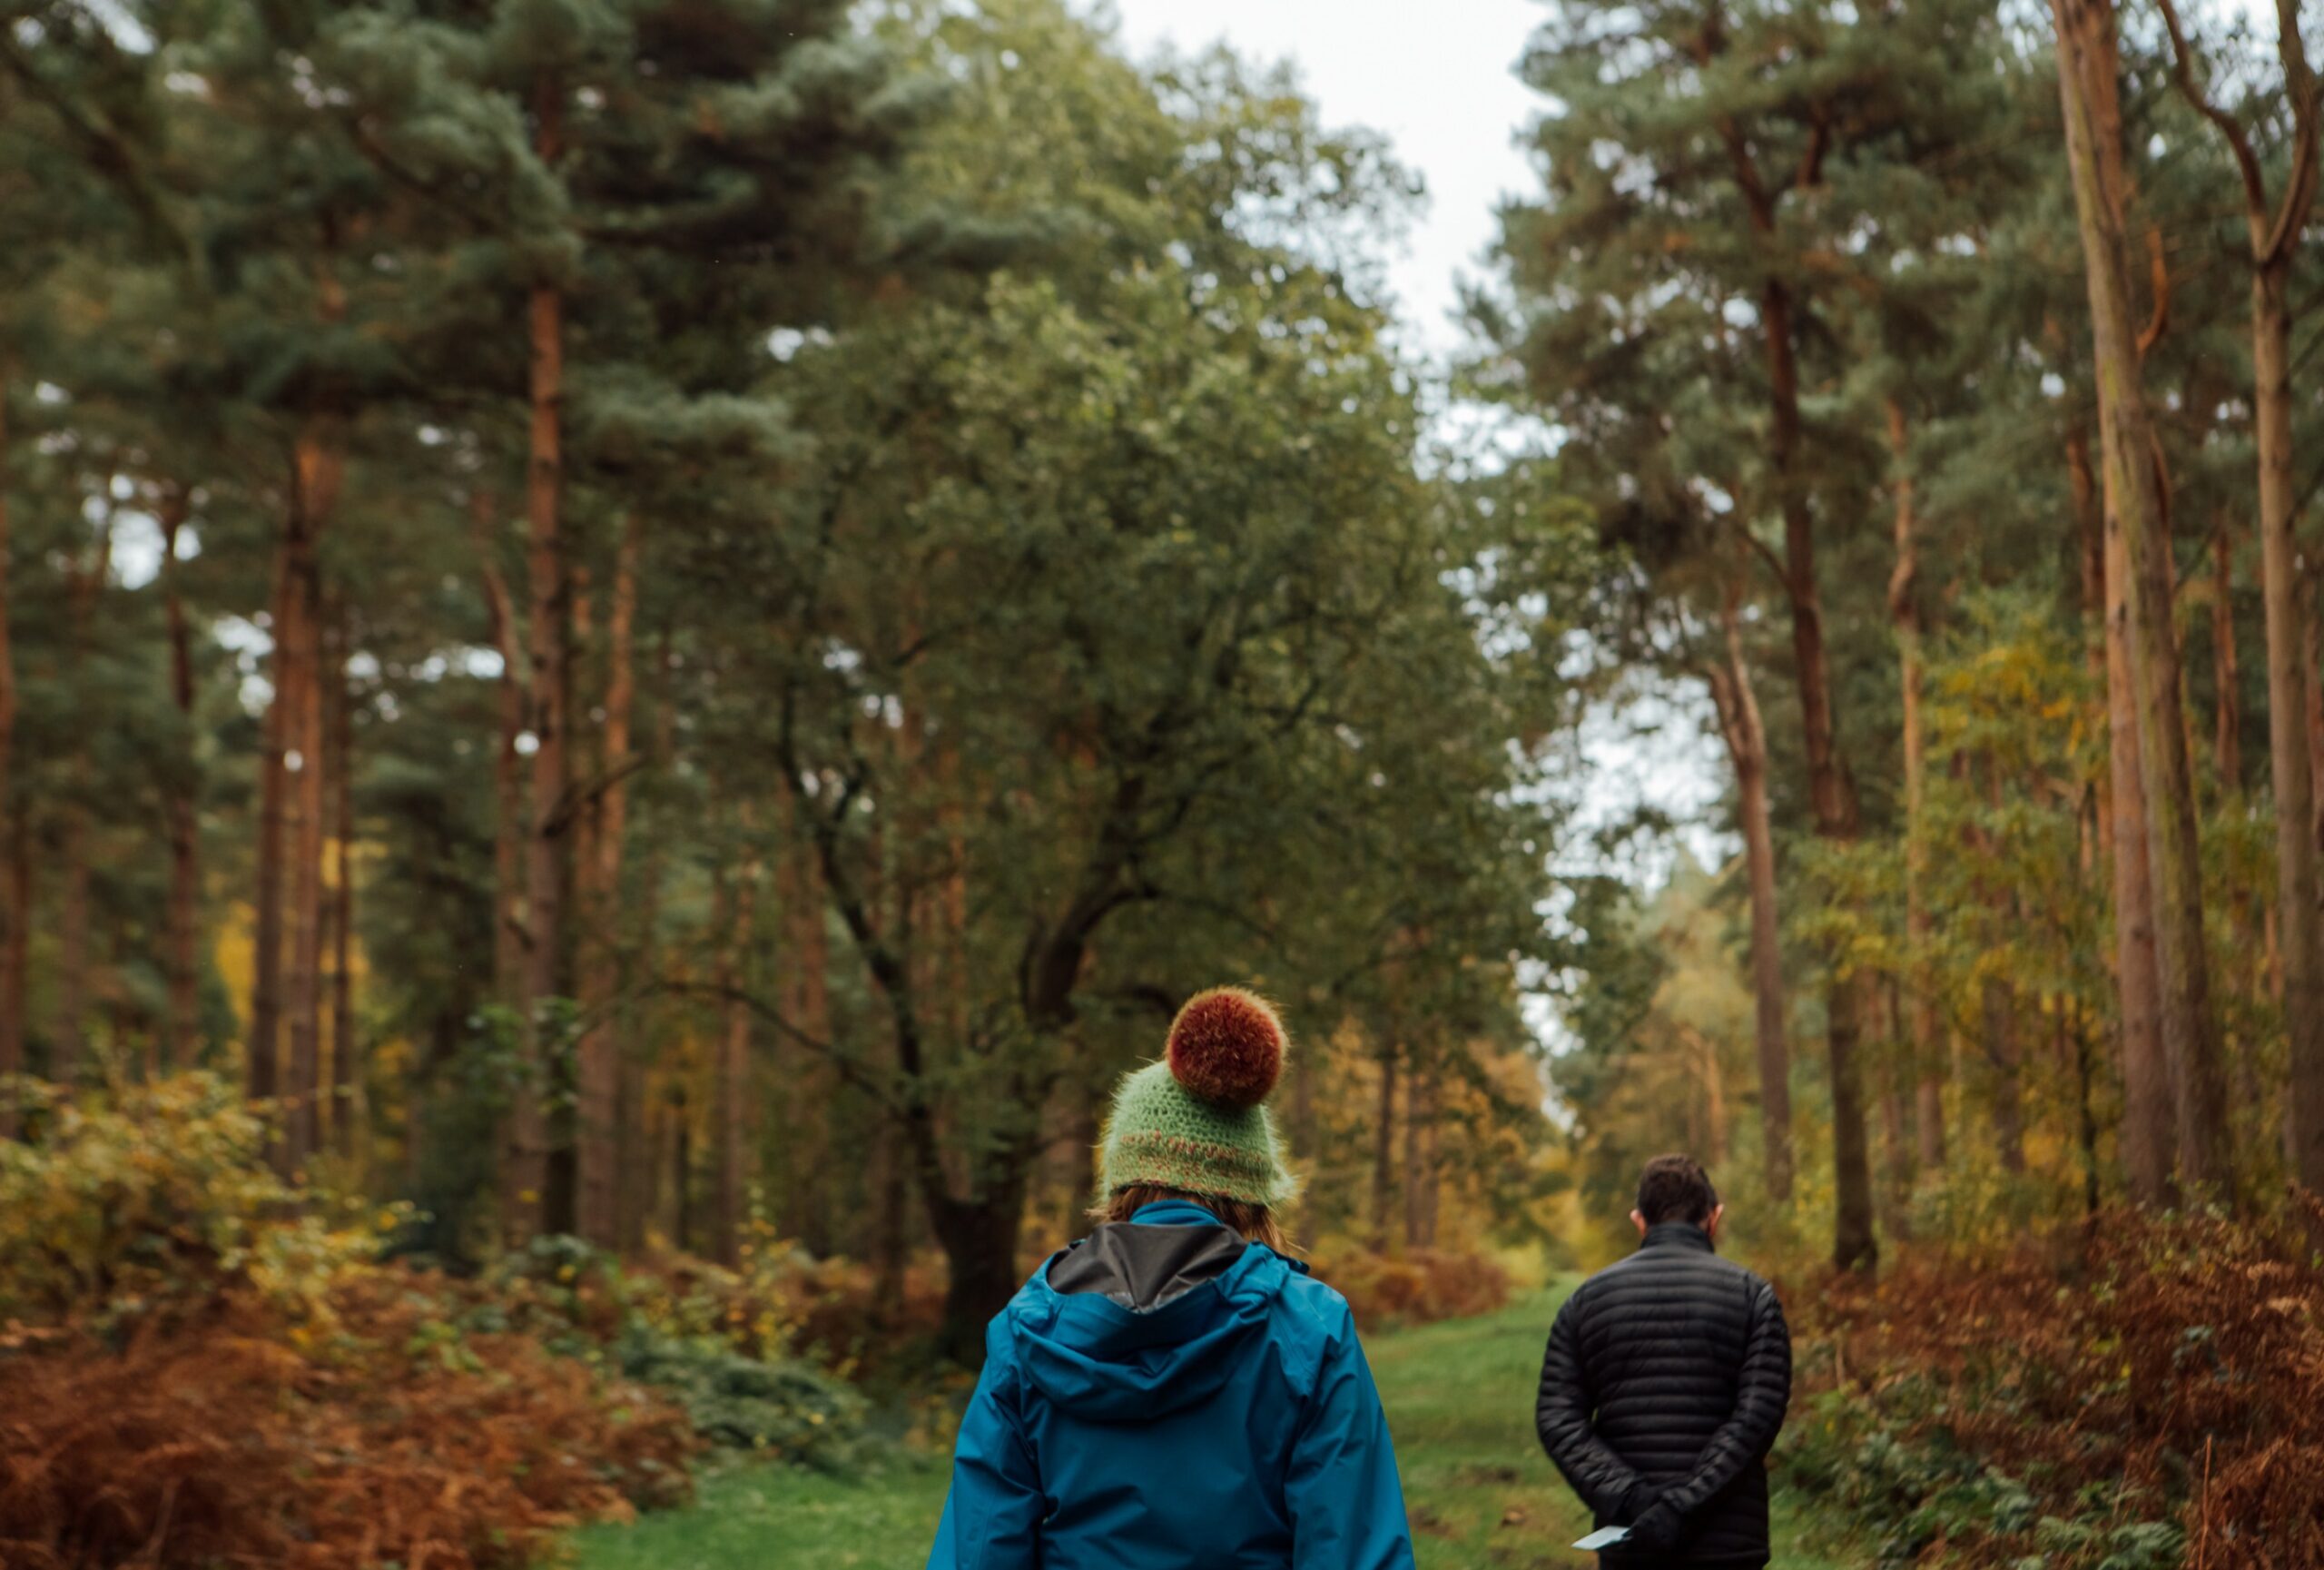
{"x": 2159, "y": 1399}
{"x": 200, "y": 1365}
{"x": 1417, "y": 1287}
{"x": 212, "y": 1441}
{"x": 149, "y": 1197}
{"x": 787, "y": 1409}
{"x": 717, "y": 1342}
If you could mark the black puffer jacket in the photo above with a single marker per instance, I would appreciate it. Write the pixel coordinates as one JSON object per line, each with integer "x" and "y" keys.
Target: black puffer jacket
{"x": 1664, "y": 1385}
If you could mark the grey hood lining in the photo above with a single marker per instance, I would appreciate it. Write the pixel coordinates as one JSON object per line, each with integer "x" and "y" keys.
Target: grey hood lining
{"x": 1144, "y": 1267}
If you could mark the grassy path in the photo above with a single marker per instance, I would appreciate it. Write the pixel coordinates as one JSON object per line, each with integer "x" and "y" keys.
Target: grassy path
{"x": 1458, "y": 1396}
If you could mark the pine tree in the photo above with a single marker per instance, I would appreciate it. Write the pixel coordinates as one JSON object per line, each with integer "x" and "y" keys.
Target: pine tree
{"x": 1711, "y": 173}
{"x": 2087, "y": 66}
{"x": 2276, "y": 226}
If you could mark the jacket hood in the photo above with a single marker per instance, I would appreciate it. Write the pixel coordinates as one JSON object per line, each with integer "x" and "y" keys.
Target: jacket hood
{"x": 1157, "y": 1314}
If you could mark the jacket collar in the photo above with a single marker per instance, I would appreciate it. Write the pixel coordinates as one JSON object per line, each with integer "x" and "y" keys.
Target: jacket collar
{"x": 1671, "y": 1235}
{"x": 1174, "y": 1213}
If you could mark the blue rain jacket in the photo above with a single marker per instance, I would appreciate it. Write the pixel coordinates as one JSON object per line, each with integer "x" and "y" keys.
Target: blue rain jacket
{"x": 1235, "y": 1426}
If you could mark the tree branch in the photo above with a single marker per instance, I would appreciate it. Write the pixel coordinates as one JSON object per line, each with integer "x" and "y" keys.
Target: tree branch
{"x": 2182, "y": 71}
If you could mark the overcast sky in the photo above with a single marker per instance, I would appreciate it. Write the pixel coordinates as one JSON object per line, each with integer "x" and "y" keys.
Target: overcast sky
{"x": 1436, "y": 78}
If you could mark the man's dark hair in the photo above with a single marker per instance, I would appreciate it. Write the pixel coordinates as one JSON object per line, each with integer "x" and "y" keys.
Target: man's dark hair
{"x": 1676, "y": 1188}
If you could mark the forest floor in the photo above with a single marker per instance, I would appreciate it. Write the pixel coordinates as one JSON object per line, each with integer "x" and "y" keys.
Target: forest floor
{"x": 1459, "y": 1396}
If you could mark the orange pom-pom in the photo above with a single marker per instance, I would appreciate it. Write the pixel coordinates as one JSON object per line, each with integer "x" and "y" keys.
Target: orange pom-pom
{"x": 1226, "y": 1046}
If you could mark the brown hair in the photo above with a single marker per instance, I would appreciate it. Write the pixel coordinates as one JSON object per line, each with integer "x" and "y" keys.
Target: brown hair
{"x": 1676, "y": 1188}
{"x": 1256, "y": 1222}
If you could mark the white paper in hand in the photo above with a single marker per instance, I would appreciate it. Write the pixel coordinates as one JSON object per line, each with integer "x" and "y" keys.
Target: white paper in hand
{"x": 1605, "y": 1538}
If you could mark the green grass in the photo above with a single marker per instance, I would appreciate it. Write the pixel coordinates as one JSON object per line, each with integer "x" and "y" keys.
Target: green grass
{"x": 760, "y": 1517}
{"x": 1459, "y": 1394}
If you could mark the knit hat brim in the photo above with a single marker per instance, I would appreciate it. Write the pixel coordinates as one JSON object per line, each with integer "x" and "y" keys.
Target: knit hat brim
{"x": 1162, "y": 1134}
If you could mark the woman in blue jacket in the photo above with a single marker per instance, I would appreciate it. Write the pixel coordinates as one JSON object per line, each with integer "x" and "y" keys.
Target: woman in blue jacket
{"x": 1172, "y": 1393}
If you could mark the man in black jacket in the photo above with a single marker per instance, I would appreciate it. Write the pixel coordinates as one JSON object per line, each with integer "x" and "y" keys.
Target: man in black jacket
{"x": 1664, "y": 1385}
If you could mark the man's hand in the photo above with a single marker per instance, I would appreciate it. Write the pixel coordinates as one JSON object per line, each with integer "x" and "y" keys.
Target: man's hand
{"x": 1635, "y": 1504}
{"x": 1656, "y": 1530}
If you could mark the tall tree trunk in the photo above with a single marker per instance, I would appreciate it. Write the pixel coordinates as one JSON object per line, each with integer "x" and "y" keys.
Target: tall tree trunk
{"x": 2085, "y": 1107}
{"x": 181, "y": 1027}
{"x": 1714, "y": 1078}
{"x": 2148, "y": 1137}
{"x": 733, "y": 1073}
{"x": 263, "y": 1068}
{"x": 585, "y": 977}
{"x": 2226, "y": 735}
{"x": 16, "y": 912}
{"x": 2312, "y": 623}
{"x": 1896, "y": 1136}
{"x": 1831, "y": 790}
{"x": 551, "y": 672}
{"x": 2302, "y": 932}
{"x": 809, "y": 1142}
{"x": 2005, "y": 1052}
{"x": 345, "y": 1080}
{"x": 319, "y": 473}
{"x": 682, "y": 1218}
{"x": 890, "y": 1204}
{"x": 509, "y": 820}
{"x": 67, "y": 1033}
{"x": 1383, "y": 1145}
{"x": 1904, "y": 612}
{"x": 1747, "y": 749}
{"x": 598, "y": 1108}
{"x": 2275, "y": 230}
{"x": 521, "y": 1162}
{"x": 1416, "y": 1118}
{"x": 979, "y": 1239}
{"x": 641, "y": 1201}
{"x": 2087, "y": 65}
{"x": 69, "y": 1038}
{"x": 15, "y": 953}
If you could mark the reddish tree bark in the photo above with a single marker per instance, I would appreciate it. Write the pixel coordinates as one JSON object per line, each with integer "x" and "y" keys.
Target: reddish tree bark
{"x": 2227, "y": 729}
{"x": 598, "y": 1105}
{"x": 181, "y": 1024}
{"x": 1383, "y": 1143}
{"x": 1904, "y": 612}
{"x": 17, "y": 912}
{"x": 339, "y": 751}
{"x": 1746, "y": 735}
{"x": 2147, "y": 1135}
{"x": 730, "y": 1203}
{"x": 2275, "y": 228}
{"x": 2087, "y": 68}
{"x": 527, "y": 1181}
{"x": 319, "y": 473}
{"x": 68, "y": 1043}
{"x": 15, "y": 954}
{"x": 1831, "y": 789}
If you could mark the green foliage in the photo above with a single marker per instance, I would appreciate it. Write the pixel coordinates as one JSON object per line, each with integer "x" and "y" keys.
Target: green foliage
{"x": 1906, "y": 1494}
{"x": 784, "y": 1408}
{"x": 739, "y": 1384}
{"x": 157, "y": 1196}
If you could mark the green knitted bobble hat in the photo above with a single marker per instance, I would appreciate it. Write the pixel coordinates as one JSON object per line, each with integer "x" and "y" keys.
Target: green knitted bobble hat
{"x": 1195, "y": 1121}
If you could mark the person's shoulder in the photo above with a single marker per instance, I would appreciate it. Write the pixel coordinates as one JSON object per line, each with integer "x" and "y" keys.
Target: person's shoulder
{"x": 1761, "y": 1289}
{"x": 1656, "y": 1270}
{"x": 1308, "y": 1299}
